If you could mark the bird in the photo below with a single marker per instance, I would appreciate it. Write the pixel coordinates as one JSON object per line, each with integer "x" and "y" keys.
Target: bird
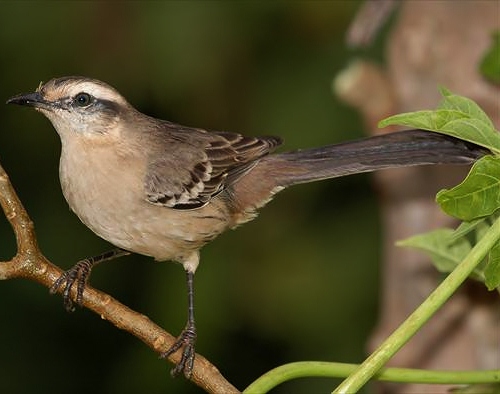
{"x": 160, "y": 189}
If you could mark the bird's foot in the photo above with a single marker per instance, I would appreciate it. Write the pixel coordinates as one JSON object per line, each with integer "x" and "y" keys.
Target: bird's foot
{"x": 78, "y": 274}
{"x": 186, "y": 340}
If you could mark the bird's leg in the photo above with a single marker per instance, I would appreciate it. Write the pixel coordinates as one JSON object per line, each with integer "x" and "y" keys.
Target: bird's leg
{"x": 187, "y": 338}
{"x": 80, "y": 273}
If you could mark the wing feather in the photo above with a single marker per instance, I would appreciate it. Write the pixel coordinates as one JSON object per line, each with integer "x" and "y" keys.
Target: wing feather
{"x": 194, "y": 165}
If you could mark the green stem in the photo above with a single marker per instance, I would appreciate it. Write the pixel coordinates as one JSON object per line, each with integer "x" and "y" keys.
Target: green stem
{"x": 303, "y": 369}
{"x": 417, "y": 319}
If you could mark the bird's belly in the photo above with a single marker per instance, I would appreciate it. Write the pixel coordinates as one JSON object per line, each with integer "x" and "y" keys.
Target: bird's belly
{"x": 160, "y": 232}
{"x": 113, "y": 205}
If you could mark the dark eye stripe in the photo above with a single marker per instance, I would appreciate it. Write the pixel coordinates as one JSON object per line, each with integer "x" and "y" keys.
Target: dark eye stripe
{"x": 91, "y": 104}
{"x": 108, "y": 105}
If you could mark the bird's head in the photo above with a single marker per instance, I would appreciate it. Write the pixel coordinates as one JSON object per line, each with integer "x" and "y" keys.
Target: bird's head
{"x": 78, "y": 105}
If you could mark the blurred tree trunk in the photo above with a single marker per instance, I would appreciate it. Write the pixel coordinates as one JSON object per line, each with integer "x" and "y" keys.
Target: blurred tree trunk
{"x": 432, "y": 44}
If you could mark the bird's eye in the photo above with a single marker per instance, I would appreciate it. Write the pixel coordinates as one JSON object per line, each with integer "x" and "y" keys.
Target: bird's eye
{"x": 82, "y": 99}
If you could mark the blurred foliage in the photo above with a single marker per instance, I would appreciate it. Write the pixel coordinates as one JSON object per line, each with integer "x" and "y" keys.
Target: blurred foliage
{"x": 490, "y": 64}
{"x": 298, "y": 283}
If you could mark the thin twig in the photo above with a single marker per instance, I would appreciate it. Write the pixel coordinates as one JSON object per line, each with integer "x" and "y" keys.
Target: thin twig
{"x": 30, "y": 263}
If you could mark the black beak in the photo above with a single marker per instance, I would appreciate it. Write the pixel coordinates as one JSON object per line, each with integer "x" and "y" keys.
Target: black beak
{"x": 30, "y": 99}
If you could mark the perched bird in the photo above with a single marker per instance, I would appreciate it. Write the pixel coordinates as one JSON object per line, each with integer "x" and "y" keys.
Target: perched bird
{"x": 156, "y": 188}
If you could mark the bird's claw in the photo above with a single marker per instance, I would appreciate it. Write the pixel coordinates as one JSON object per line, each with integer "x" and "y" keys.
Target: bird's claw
{"x": 186, "y": 340}
{"x": 79, "y": 273}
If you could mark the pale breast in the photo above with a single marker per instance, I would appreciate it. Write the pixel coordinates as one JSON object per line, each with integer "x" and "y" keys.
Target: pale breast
{"x": 105, "y": 190}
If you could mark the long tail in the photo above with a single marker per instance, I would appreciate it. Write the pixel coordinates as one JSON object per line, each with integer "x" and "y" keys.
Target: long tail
{"x": 399, "y": 149}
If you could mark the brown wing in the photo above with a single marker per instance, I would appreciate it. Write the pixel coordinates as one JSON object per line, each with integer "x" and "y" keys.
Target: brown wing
{"x": 196, "y": 165}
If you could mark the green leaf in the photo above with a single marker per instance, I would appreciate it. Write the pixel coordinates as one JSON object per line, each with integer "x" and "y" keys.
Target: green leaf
{"x": 464, "y": 105}
{"x": 478, "y": 195}
{"x": 490, "y": 64}
{"x": 473, "y": 130}
{"x": 445, "y": 251}
{"x": 465, "y": 228}
{"x": 451, "y": 122}
{"x": 437, "y": 244}
{"x": 457, "y": 116}
{"x": 492, "y": 270}
{"x": 432, "y": 120}
{"x": 475, "y": 200}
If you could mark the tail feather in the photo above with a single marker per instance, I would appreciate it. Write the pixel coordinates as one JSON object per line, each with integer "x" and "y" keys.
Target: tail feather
{"x": 399, "y": 149}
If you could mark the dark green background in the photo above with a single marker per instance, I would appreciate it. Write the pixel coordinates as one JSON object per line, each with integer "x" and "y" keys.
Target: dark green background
{"x": 298, "y": 283}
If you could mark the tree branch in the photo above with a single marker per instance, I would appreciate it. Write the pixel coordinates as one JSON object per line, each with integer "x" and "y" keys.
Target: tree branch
{"x": 30, "y": 263}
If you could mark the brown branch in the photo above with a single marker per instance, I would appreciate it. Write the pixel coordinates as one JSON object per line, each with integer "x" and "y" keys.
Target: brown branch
{"x": 30, "y": 263}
